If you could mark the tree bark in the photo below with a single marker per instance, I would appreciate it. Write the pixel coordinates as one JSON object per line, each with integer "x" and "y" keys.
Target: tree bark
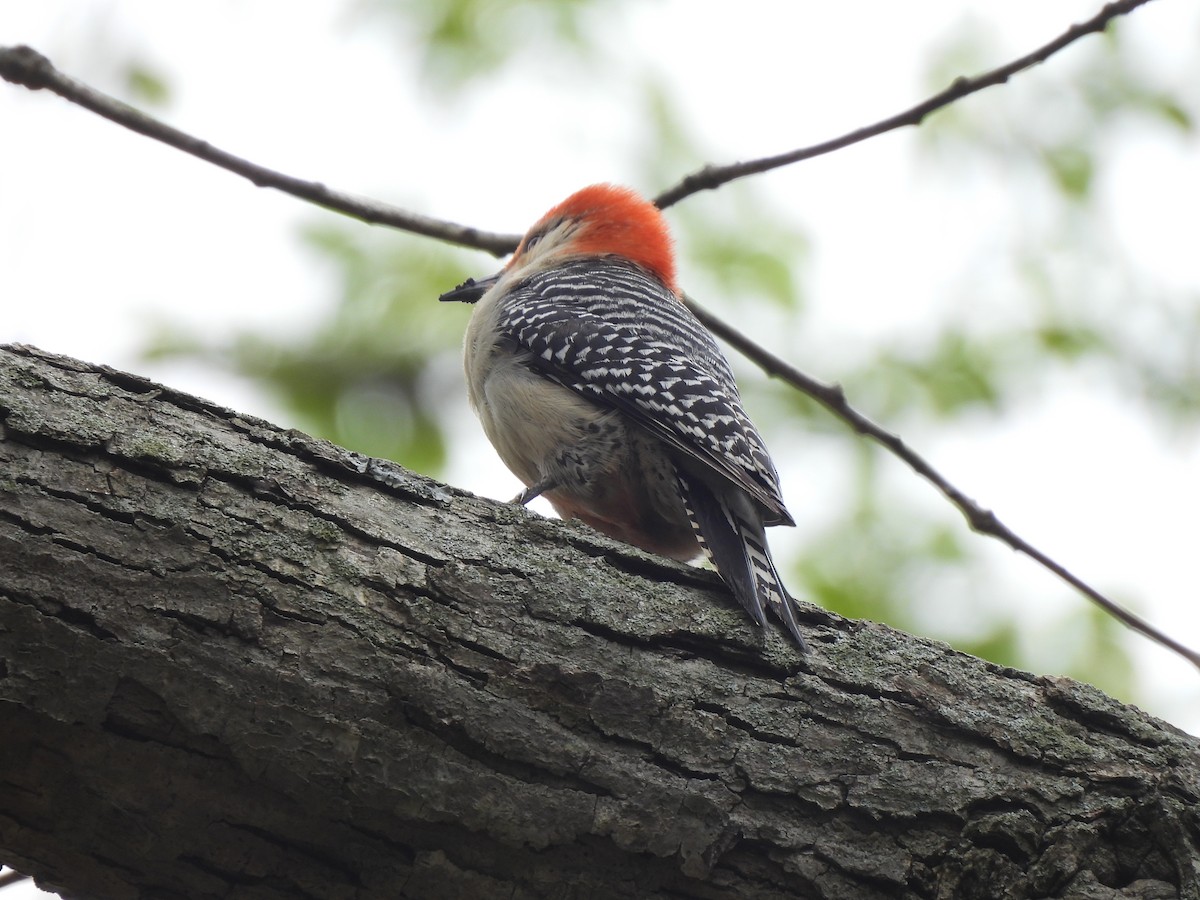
{"x": 236, "y": 661}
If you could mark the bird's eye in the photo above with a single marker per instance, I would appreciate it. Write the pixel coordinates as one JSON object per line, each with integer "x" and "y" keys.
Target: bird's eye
{"x": 533, "y": 240}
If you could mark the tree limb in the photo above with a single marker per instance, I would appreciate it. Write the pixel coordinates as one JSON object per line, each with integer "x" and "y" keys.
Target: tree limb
{"x": 235, "y": 660}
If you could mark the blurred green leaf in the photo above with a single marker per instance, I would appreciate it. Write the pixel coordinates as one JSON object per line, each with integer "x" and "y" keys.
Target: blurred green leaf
{"x": 146, "y": 85}
{"x": 743, "y": 265}
{"x": 1171, "y": 111}
{"x": 1072, "y": 169}
{"x": 1000, "y": 645}
{"x": 944, "y": 545}
{"x": 1070, "y": 341}
{"x": 371, "y": 375}
{"x": 466, "y": 40}
{"x": 1088, "y": 646}
{"x": 954, "y": 374}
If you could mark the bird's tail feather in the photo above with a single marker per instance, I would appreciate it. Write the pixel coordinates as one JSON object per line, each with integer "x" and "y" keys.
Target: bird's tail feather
{"x": 735, "y": 541}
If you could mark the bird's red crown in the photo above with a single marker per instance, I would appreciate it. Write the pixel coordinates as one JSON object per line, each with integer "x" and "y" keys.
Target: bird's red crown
{"x": 615, "y": 221}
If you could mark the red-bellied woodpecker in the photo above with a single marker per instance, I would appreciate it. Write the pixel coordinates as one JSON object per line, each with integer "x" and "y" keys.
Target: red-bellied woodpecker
{"x": 601, "y": 390}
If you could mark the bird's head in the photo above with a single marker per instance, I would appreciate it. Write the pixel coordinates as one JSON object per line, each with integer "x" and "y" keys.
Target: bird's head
{"x": 600, "y": 220}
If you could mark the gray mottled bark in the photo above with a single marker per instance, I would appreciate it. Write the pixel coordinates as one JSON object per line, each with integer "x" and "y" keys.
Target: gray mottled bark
{"x": 236, "y": 661}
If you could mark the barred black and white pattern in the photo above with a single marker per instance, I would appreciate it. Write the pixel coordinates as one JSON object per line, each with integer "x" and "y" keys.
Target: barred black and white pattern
{"x": 609, "y": 330}
{"x": 733, "y": 538}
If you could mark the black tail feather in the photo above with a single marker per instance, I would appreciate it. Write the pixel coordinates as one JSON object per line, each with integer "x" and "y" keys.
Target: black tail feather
{"x": 770, "y": 585}
{"x": 736, "y": 543}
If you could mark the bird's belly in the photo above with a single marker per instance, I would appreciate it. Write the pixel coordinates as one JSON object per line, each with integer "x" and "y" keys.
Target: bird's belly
{"x": 607, "y": 471}
{"x": 529, "y": 420}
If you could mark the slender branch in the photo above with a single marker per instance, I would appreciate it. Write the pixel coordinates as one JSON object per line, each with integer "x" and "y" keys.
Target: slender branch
{"x": 25, "y": 66}
{"x": 984, "y": 521}
{"x": 711, "y": 177}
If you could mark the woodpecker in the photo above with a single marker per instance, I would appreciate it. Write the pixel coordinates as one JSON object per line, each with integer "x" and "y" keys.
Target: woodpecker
{"x": 602, "y": 391}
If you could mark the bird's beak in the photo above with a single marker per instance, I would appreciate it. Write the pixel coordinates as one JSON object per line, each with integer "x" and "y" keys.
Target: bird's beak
{"x": 470, "y": 291}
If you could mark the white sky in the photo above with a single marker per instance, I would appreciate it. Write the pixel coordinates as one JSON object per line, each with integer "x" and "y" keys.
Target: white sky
{"x": 101, "y": 230}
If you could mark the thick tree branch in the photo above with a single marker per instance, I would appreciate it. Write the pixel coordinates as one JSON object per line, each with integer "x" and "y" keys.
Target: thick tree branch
{"x": 23, "y": 65}
{"x": 711, "y": 177}
{"x": 235, "y": 660}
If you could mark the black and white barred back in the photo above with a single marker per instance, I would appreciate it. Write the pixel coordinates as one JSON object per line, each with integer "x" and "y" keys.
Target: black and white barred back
{"x": 612, "y": 332}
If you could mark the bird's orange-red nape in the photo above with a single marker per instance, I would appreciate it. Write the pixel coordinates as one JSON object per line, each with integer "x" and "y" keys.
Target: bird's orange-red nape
{"x": 618, "y": 221}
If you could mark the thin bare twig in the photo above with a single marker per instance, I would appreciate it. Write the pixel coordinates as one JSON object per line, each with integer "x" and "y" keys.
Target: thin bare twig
{"x": 984, "y": 521}
{"x": 25, "y": 66}
{"x": 711, "y": 177}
